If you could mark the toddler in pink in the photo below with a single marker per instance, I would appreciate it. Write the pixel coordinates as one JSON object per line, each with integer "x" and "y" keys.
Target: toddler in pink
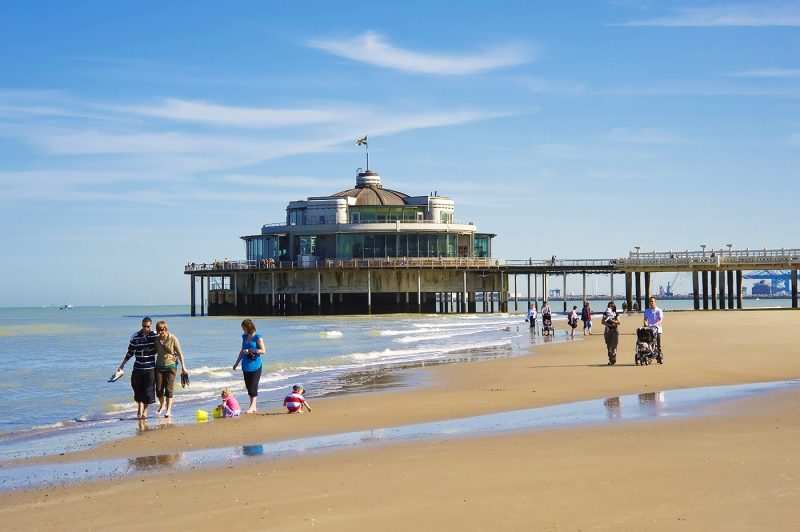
{"x": 230, "y": 406}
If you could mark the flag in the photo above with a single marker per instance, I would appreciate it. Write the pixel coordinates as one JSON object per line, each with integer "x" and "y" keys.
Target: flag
{"x": 362, "y": 140}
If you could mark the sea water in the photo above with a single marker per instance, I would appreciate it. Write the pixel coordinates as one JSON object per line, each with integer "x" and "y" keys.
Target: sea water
{"x": 55, "y": 364}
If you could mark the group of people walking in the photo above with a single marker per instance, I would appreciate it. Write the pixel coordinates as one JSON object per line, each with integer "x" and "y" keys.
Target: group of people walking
{"x": 653, "y": 317}
{"x": 157, "y": 355}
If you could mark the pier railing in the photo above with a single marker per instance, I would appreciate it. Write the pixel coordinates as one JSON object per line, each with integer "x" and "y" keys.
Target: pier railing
{"x": 738, "y": 259}
{"x": 393, "y": 263}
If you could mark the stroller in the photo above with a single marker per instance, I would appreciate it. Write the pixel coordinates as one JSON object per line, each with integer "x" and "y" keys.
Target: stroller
{"x": 647, "y": 347}
{"x": 547, "y": 325}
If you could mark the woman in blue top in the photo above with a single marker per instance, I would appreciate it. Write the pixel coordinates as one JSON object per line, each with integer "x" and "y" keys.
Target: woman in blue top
{"x": 250, "y": 357}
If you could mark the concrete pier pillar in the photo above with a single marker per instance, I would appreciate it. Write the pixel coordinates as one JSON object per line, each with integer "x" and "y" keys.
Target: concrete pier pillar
{"x": 704, "y": 275}
{"x": 612, "y": 287}
{"x": 464, "y": 295}
{"x": 646, "y": 290}
{"x": 419, "y": 291}
{"x": 638, "y": 302}
{"x": 369, "y": 292}
{"x": 713, "y": 294}
{"x": 584, "y": 289}
{"x": 202, "y": 298}
{"x": 564, "y": 292}
{"x": 272, "y": 290}
{"x": 536, "y": 290}
{"x": 721, "y": 275}
{"x": 696, "y": 289}
{"x": 544, "y": 288}
{"x": 529, "y": 290}
{"x": 739, "y": 289}
{"x": 629, "y": 290}
{"x": 319, "y": 292}
{"x": 794, "y": 288}
{"x": 192, "y": 309}
{"x": 516, "y": 302}
{"x": 730, "y": 289}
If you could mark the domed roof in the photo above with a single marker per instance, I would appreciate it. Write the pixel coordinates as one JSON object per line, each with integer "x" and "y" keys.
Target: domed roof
{"x": 368, "y": 191}
{"x": 372, "y": 195}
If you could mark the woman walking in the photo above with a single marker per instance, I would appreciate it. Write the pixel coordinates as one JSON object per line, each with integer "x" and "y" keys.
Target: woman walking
{"x": 611, "y": 333}
{"x": 169, "y": 354}
{"x": 250, "y": 357}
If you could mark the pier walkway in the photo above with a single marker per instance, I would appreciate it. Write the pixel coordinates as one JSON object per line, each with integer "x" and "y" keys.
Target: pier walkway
{"x": 716, "y": 280}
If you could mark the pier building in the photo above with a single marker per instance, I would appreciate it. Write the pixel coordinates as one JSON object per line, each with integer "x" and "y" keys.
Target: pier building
{"x": 361, "y": 250}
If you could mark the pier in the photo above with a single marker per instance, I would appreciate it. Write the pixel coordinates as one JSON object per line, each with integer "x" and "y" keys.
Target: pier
{"x": 454, "y": 285}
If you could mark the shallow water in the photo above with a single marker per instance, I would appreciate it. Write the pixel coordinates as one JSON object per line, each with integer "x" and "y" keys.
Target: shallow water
{"x": 56, "y": 362}
{"x": 649, "y": 405}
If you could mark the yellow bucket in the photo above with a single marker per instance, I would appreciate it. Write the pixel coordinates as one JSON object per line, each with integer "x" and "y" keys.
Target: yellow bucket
{"x": 201, "y": 415}
{"x": 217, "y": 412}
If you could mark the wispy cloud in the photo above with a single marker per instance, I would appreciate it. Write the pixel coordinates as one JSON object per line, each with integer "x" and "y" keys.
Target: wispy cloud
{"x": 89, "y": 150}
{"x": 780, "y": 73}
{"x": 642, "y": 136}
{"x": 743, "y": 14}
{"x": 225, "y": 115}
{"x": 372, "y": 48}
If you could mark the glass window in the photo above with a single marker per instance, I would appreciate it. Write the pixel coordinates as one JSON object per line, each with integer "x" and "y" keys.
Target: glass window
{"x": 308, "y": 245}
{"x": 482, "y": 246}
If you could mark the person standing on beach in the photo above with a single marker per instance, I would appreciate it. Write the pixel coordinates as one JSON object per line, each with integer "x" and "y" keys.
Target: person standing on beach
{"x": 611, "y": 333}
{"x": 586, "y": 318}
{"x": 168, "y": 355}
{"x": 142, "y": 346}
{"x": 572, "y": 321}
{"x": 653, "y": 317}
{"x": 531, "y": 319}
{"x": 250, "y": 357}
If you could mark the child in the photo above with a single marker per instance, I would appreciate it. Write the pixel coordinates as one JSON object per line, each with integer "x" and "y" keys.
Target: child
{"x": 294, "y": 402}
{"x": 230, "y": 406}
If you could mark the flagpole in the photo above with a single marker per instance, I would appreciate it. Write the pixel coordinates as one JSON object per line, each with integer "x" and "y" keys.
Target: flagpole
{"x": 367, "y": 150}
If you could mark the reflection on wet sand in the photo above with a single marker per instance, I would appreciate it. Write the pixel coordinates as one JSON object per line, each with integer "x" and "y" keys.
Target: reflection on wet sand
{"x": 144, "y": 463}
{"x": 645, "y": 405}
{"x": 253, "y": 450}
{"x": 651, "y": 399}
{"x": 612, "y": 407}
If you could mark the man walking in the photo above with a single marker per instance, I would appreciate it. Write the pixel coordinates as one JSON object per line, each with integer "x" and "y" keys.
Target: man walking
{"x": 142, "y": 346}
{"x": 653, "y": 317}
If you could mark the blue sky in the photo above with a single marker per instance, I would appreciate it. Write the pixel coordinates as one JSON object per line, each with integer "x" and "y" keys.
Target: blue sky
{"x": 138, "y": 136}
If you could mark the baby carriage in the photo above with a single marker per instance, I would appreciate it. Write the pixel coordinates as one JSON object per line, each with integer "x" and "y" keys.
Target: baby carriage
{"x": 547, "y": 324}
{"x": 646, "y": 346}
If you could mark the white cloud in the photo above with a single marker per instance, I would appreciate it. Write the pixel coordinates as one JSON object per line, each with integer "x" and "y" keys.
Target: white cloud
{"x": 642, "y": 136}
{"x": 225, "y": 115}
{"x": 81, "y": 158}
{"x": 745, "y": 14}
{"x": 373, "y": 49}
{"x": 783, "y": 73}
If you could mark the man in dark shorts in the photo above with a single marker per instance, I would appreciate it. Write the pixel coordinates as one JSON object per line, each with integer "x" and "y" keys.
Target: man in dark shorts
{"x": 142, "y": 346}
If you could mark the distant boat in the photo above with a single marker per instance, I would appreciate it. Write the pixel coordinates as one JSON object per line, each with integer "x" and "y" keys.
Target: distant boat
{"x": 65, "y": 307}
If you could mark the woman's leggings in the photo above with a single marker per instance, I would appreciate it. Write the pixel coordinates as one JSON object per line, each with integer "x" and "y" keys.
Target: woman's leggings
{"x": 251, "y": 379}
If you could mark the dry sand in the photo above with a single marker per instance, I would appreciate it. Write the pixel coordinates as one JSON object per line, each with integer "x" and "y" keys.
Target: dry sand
{"x": 737, "y": 469}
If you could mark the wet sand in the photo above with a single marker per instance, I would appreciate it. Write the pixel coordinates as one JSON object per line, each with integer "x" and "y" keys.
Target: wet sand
{"x": 735, "y": 469}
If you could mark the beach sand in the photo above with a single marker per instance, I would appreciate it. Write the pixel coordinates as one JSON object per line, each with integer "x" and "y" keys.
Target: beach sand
{"x": 735, "y": 469}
